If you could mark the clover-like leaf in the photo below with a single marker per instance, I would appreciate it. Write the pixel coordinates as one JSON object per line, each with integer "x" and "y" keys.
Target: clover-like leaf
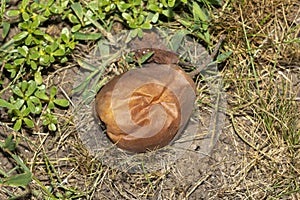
{"x": 13, "y": 13}
{"x": 31, "y": 106}
{"x": 77, "y": 8}
{"x": 41, "y": 95}
{"x": 38, "y": 32}
{"x": 28, "y": 122}
{"x": 52, "y": 127}
{"x": 59, "y": 52}
{"x": 25, "y": 16}
{"x": 29, "y": 39}
{"x": 23, "y": 50}
{"x": 17, "y": 125}
{"x": 6, "y": 104}
{"x": 53, "y": 91}
{"x": 198, "y": 13}
{"x": 23, "y": 85}
{"x": 171, "y": 3}
{"x": 38, "y": 77}
{"x": 31, "y": 88}
{"x": 76, "y": 28}
{"x": 61, "y": 102}
{"x": 19, "y": 61}
{"x": 127, "y": 17}
{"x": 16, "y": 90}
{"x": 6, "y": 28}
{"x": 45, "y": 60}
{"x": 19, "y": 103}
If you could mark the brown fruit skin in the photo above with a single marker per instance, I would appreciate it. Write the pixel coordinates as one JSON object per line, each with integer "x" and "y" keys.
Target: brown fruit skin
{"x": 131, "y": 143}
{"x": 128, "y": 142}
{"x": 159, "y": 56}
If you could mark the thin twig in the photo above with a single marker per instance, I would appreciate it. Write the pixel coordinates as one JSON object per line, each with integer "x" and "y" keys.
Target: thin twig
{"x": 197, "y": 184}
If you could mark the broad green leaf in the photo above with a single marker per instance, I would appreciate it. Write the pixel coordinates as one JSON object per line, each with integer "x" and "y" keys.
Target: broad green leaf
{"x": 46, "y": 121}
{"x": 37, "y": 103}
{"x": 61, "y": 102}
{"x": 64, "y": 59}
{"x": 41, "y": 95}
{"x": 25, "y": 111}
{"x": 35, "y": 24}
{"x": 155, "y": 18}
{"x": 133, "y": 33}
{"x": 122, "y": 6}
{"x": 25, "y": 16}
{"x": 198, "y": 13}
{"x": 52, "y": 127}
{"x": 23, "y": 50}
{"x": 6, "y": 27}
{"x": 146, "y": 25}
{"x": 48, "y": 37}
{"x": 64, "y": 3}
{"x": 44, "y": 59}
{"x": 77, "y": 8}
{"x": 19, "y": 103}
{"x": 65, "y": 33}
{"x": 54, "y": 46}
{"x": 29, "y": 39}
{"x": 33, "y": 65}
{"x": 153, "y": 7}
{"x": 53, "y": 91}
{"x": 19, "y": 61}
{"x": 38, "y": 32}
{"x": 73, "y": 19}
{"x": 6, "y": 104}
{"x": 17, "y": 125}
{"x": 76, "y": 28}
{"x": 24, "y": 3}
{"x": 140, "y": 19}
{"x": 28, "y": 122}
{"x": 168, "y": 13}
{"x": 18, "y": 180}
{"x": 12, "y": 13}
{"x": 59, "y": 52}
{"x": 171, "y": 3}
{"x": 20, "y": 36}
{"x": 31, "y": 88}
{"x": 23, "y": 85}
{"x": 127, "y": 16}
{"x": 16, "y": 90}
{"x": 164, "y": 2}
{"x": 65, "y": 38}
{"x": 38, "y": 78}
{"x": 31, "y": 106}
{"x": 51, "y": 105}
{"x": 34, "y": 55}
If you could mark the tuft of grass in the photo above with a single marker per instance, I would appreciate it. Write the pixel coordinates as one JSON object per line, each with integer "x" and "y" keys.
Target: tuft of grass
{"x": 264, "y": 110}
